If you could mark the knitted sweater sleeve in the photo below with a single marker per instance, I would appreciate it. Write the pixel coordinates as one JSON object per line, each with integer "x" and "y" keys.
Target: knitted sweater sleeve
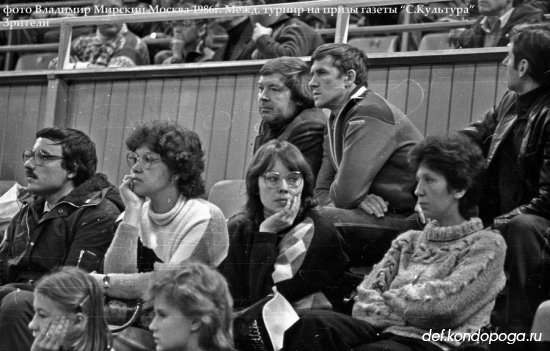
{"x": 121, "y": 257}
{"x": 205, "y": 238}
{"x": 369, "y": 303}
{"x": 445, "y": 303}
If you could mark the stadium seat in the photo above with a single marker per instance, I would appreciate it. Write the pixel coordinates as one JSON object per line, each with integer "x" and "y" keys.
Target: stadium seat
{"x": 35, "y": 61}
{"x": 229, "y": 196}
{"x": 435, "y": 41}
{"x": 375, "y": 44}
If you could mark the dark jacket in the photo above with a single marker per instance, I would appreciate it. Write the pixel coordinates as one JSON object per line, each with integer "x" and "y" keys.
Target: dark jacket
{"x": 305, "y": 131}
{"x": 534, "y": 156}
{"x": 252, "y": 255}
{"x": 475, "y": 37}
{"x": 290, "y": 37}
{"x": 365, "y": 152}
{"x": 81, "y": 223}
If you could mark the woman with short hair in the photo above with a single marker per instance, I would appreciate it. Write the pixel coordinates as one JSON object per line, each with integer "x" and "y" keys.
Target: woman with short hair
{"x": 165, "y": 220}
{"x": 193, "y": 309}
{"x": 443, "y": 278}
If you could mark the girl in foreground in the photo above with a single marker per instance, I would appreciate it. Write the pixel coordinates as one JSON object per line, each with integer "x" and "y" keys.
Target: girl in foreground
{"x": 68, "y": 315}
{"x": 193, "y": 309}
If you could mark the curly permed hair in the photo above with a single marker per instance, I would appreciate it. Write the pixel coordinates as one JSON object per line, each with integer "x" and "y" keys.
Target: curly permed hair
{"x": 179, "y": 148}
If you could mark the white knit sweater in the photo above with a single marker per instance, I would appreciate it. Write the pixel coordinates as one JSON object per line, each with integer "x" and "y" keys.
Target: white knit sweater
{"x": 192, "y": 229}
{"x": 438, "y": 278}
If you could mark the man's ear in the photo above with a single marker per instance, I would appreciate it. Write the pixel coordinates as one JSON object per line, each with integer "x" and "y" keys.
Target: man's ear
{"x": 459, "y": 194}
{"x": 350, "y": 77}
{"x": 73, "y": 170}
{"x": 523, "y": 68}
{"x": 196, "y": 323}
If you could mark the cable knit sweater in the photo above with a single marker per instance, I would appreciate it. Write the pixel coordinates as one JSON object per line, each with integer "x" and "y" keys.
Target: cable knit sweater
{"x": 438, "y": 278}
{"x": 192, "y": 229}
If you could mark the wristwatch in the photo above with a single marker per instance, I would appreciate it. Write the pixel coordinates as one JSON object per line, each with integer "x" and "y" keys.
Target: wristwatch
{"x": 106, "y": 282}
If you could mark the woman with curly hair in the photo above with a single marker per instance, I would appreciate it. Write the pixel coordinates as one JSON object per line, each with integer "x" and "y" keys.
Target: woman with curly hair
{"x": 433, "y": 286}
{"x": 193, "y": 309}
{"x": 281, "y": 239}
{"x": 68, "y": 313}
{"x": 165, "y": 222}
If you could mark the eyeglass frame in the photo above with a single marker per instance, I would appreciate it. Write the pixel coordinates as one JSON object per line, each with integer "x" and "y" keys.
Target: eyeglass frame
{"x": 139, "y": 158}
{"x": 285, "y": 178}
{"x": 42, "y": 156}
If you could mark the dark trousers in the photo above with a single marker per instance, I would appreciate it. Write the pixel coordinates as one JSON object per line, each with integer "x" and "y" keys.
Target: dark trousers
{"x": 528, "y": 265}
{"x": 330, "y": 331}
{"x": 368, "y": 238}
{"x": 16, "y": 311}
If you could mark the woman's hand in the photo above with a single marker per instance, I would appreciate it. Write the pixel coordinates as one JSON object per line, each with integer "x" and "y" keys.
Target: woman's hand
{"x": 132, "y": 201}
{"x": 52, "y": 337}
{"x": 283, "y": 219}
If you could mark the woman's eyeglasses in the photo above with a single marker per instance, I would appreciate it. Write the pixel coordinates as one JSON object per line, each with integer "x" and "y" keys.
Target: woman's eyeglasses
{"x": 39, "y": 157}
{"x": 274, "y": 179}
{"x": 146, "y": 159}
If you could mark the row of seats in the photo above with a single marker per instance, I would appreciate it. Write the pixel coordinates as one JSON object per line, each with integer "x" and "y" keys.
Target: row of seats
{"x": 433, "y": 41}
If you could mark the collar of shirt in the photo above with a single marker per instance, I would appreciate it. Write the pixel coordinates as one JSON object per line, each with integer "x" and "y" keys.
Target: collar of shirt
{"x": 486, "y": 26}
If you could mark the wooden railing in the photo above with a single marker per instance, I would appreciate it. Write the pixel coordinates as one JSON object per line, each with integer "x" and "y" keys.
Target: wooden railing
{"x": 439, "y": 90}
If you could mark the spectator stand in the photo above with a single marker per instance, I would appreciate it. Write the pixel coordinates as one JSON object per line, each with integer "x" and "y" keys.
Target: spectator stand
{"x": 218, "y": 99}
{"x": 12, "y": 47}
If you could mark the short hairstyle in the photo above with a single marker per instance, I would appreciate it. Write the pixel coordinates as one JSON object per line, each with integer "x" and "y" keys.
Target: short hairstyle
{"x": 459, "y": 160}
{"x": 79, "y": 155}
{"x": 296, "y": 77}
{"x": 264, "y": 158}
{"x": 198, "y": 291}
{"x": 179, "y": 148}
{"x": 532, "y": 43}
{"x": 75, "y": 290}
{"x": 345, "y": 57}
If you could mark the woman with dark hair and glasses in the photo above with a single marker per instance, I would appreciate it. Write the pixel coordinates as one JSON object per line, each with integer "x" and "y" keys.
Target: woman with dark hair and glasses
{"x": 165, "y": 221}
{"x": 68, "y": 313}
{"x": 280, "y": 239}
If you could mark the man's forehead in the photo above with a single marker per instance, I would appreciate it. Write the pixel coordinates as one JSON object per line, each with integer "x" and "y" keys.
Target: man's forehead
{"x": 274, "y": 79}
{"x": 48, "y": 145}
{"x": 327, "y": 61}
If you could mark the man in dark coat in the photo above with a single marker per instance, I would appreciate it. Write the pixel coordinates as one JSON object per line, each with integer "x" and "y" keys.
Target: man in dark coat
{"x": 286, "y": 106}
{"x": 68, "y": 218}
{"x": 515, "y": 137}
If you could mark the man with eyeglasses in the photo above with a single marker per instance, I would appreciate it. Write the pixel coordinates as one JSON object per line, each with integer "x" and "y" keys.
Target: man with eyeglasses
{"x": 68, "y": 218}
{"x": 515, "y": 138}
